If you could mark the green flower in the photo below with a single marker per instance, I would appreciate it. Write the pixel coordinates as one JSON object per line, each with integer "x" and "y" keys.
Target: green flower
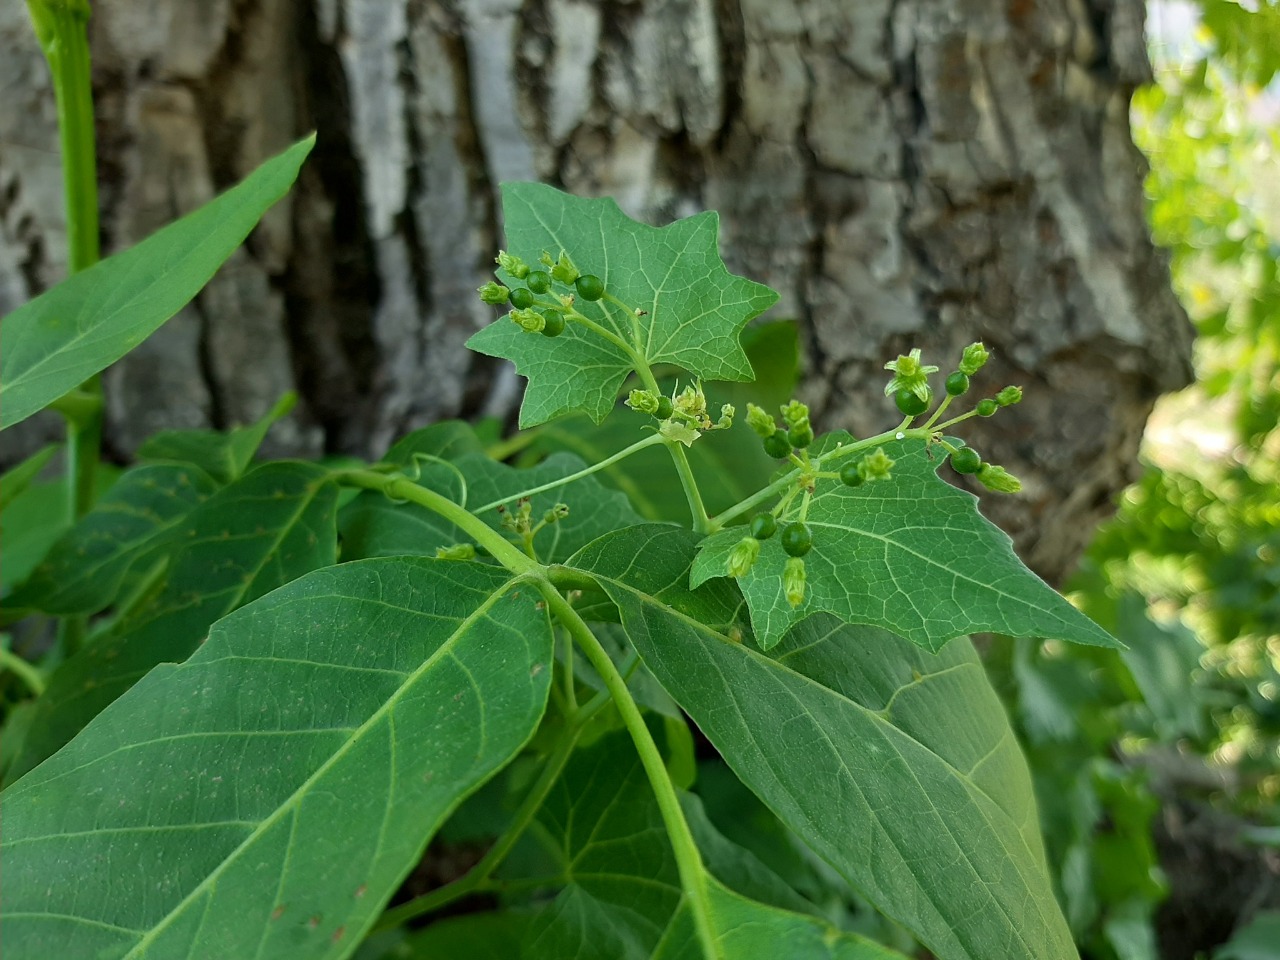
{"x": 793, "y": 578}
{"x": 998, "y": 479}
{"x": 727, "y": 412}
{"x": 562, "y": 270}
{"x": 909, "y": 374}
{"x": 973, "y": 358}
{"x": 691, "y": 402}
{"x": 530, "y": 321}
{"x": 876, "y": 466}
{"x": 494, "y": 293}
{"x": 744, "y": 556}
{"x": 459, "y": 551}
{"x": 794, "y": 412}
{"x": 642, "y": 401}
{"x": 1009, "y": 396}
{"x": 760, "y": 421}
{"x": 512, "y": 264}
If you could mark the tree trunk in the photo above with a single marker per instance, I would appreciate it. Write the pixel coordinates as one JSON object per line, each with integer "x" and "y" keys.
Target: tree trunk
{"x": 905, "y": 172}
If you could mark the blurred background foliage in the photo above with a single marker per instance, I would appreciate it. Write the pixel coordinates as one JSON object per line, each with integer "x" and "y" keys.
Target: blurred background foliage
{"x": 1158, "y": 769}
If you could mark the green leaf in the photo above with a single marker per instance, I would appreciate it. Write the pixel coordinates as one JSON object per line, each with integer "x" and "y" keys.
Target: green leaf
{"x": 728, "y": 465}
{"x": 86, "y": 567}
{"x": 19, "y": 477}
{"x": 897, "y": 766}
{"x": 696, "y": 308}
{"x": 911, "y": 554}
{"x": 222, "y": 455}
{"x": 622, "y": 897}
{"x": 266, "y": 797}
{"x": 52, "y": 344}
{"x": 374, "y": 526}
{"x": 751, "y": 931}
{"x": 35, "y": 519}
{"x": 271, "y": 526}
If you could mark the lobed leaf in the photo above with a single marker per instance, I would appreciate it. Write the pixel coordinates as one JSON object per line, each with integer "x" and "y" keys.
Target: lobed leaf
{"x": 695, "y": 308}
{"x": 910, "y": 554}
{"x": 52, "y": 344}
{"x": 271, "y": 526}
{"x": 898, "y": 767}
{"x": 266, "y": 797}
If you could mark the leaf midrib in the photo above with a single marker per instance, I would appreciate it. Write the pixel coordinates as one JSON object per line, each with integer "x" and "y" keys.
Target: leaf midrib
{"x": 444, "y": 650}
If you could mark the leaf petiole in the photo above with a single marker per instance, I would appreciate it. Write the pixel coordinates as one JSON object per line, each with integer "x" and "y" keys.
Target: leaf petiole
{"x": 693, "y": 875}
{"x": 636, "y": 447}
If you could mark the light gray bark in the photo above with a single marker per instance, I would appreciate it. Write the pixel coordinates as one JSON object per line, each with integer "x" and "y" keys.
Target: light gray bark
{"x": 905, "y": 172}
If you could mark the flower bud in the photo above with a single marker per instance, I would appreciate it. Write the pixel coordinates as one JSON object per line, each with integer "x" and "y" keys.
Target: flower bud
{"x": 459, "y": 551}
{"x": 530, "y": 321}
{"x": 494, "y": 293}
{"x": 793, "y": 578}
{"x": 998, "y": 479}
{"x": 642, "y": 401}
{"x": 727, "y": 412}
{"x": 909, "y": 374}
{"x": 692, "y": 402}
{"x": 1009, "y": 396}
{"x": 794, "y": 412}
{"x": 743, "y": 556}
{"x": 513, "y": 265}
{"x": 563, "y": 270}
{"x": 556, "y": 513}
{"x": 760, "y": 421}
{"x": 973, "y": 358}
{"x": 876, "y": 466}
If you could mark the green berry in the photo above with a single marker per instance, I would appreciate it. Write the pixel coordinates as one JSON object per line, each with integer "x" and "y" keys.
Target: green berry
{"x": 957, "y": 384}
{"x": 522, "y": 298}
{"x": 665, "y": 409}
{"x": 763, "y": 526}
{"x": 851, "y": 476}
{"x": 986, "y": 408}
{"x": 907, "y": 400}
{"x": 796, "y": 539}
{"x": 966, "y": 460}
{"x": 589, "y": 287}
{"x": 554, "y": 323}
{"x": 539, "y": 281}
{"x": 801, "y": 435}
{"x": 777, "y": 446}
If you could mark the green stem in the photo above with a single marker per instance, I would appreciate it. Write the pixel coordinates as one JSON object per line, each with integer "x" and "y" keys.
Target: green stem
{"x": 722, "y": 519}
{"x": 693, "y": 876}
{"x": 637, "y": 360}
{"x": 26, "y": 672}
{"x": 509, "y": 447}
{"x": 697, "y": 510}
{"x": 401, "y": 488}
{"x": 942, "y": 407}
{"x": 60, "y": 27}
{"x": 639, "y": 445}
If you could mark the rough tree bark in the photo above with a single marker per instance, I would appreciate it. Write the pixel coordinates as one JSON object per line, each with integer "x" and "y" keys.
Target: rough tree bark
{"x": 905, "y": 172}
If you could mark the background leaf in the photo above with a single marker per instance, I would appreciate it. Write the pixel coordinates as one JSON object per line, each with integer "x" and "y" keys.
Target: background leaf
{"x": 696, "y": 308}
{"x": 265, "y": 798}
{"x": 17, "y": 478}
{"x": 52, "y": 344}
{"x": 271, "y": 526}
{"x": 911, "y": 554}
{"x": 622, "y": 898}
{"x": 84, "y": 570}
{"x": 224, "y": 455}
{"x": 898, "y": 767}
